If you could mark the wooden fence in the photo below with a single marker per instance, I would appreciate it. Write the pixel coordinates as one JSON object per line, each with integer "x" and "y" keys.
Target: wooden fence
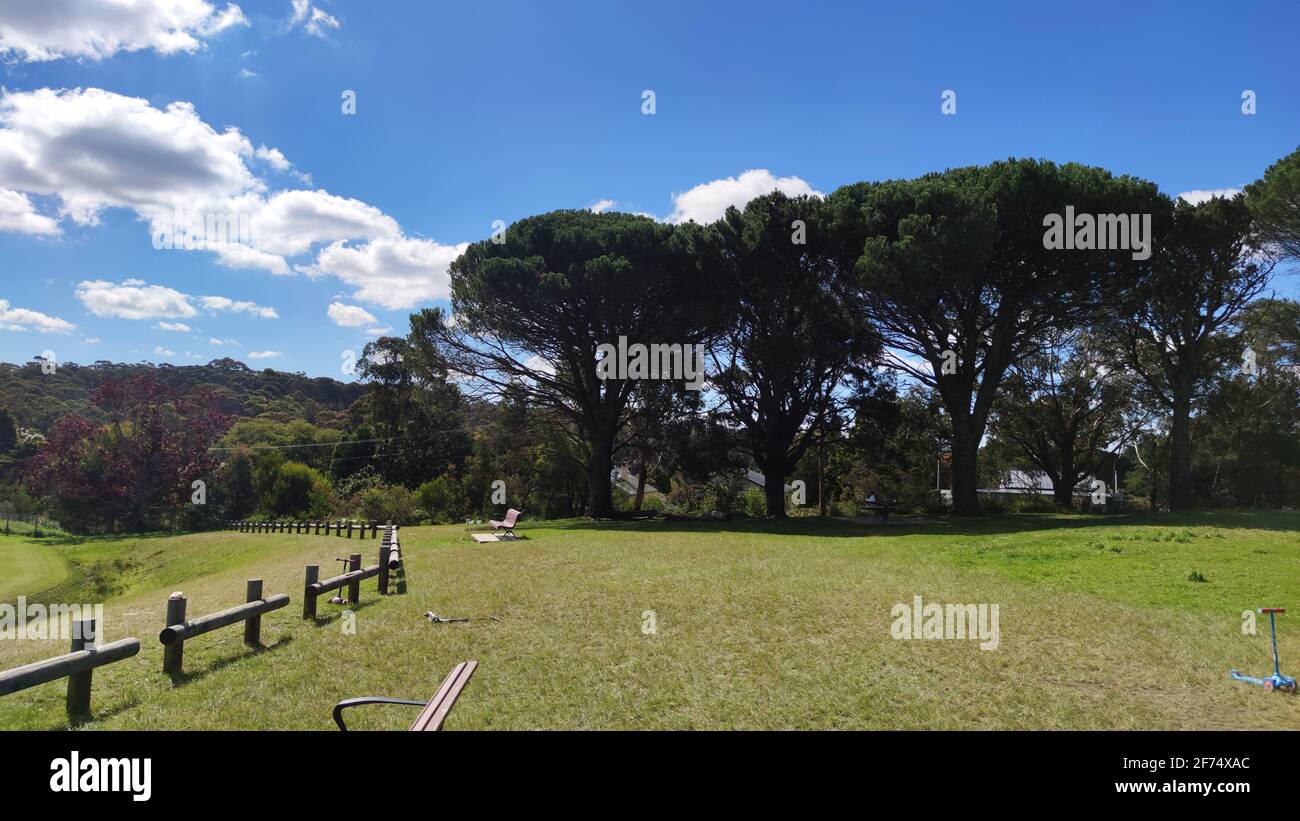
{"x": 77, "y": 667}
{"x": 390, "y": 559}
{"x": 338, "y": 527}
{"x": 178, "y": 630}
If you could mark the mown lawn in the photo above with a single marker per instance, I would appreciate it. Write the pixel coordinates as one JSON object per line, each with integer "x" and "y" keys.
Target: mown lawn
{"x": 759, "y": 625}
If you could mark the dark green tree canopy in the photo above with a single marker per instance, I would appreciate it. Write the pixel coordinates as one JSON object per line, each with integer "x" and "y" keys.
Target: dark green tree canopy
{"x": 530, "y": 311}
{"x": 955, "y": 271}
{"x": 1274, "y": 201}
{"x": 797, "y": 329}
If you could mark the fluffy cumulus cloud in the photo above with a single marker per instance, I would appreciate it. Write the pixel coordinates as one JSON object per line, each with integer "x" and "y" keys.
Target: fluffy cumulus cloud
{"x": 708, "y": 201}
{"x": 93, "y": 149}
{"x": 18, "y": 215}
{"x": 89, "y": 150}
{"x": 22, "y": 319}
{"x": 1204, "y": 195}
{"x": 392, "y": 272}
{"x": 350, "y": 316}
{"x": 264, "y": 354}
{"x": 94, "y": 29}
{"x": 135, "y": 299}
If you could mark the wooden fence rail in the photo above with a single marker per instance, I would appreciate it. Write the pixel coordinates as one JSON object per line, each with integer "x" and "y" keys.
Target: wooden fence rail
{"x": 178, "y": 630}
{"x": 339, "y": 527}
{"x": 77, "y": 667}
{"x": 391, "y": 550}
{"x": 313, "y": 585}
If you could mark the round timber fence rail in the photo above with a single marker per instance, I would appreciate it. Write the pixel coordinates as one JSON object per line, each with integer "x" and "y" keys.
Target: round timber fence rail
{"x": 178, "y": 630}
{"x": 339, "y": 527}
{"x": 77, "y": 667}
{"x": 390, "y": 559}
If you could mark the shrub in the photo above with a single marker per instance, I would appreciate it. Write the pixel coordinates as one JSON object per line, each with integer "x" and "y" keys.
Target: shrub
{"x": 300, "y": 491}
{"x": 441, "y": 499}
{"x": 388, "y": 502}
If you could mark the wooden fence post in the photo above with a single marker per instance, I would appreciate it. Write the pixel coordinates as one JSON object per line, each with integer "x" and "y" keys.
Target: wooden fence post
{"x": 83, "y": 637}
{"x": 308, "y": 598}
{"x": 174, "y": 654}
{"x": 354, "y": 588}
{"x": 253, "y": 624}
{"x": 349, "y": 530}
{"x": 383, "y": 568}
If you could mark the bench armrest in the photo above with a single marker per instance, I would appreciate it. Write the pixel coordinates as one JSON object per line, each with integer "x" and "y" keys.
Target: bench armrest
{"x": 356, "y": 702}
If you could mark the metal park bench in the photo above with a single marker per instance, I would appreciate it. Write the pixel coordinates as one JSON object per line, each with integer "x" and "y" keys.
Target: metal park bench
{"x": 435, "y": 709}
{"x": 508, "y": 523}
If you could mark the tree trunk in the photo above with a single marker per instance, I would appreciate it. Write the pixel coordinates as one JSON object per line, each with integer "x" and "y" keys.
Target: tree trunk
{"x": 965, "y": 476}
{"x": 774, "y": 491}
{"x": 640, "y": 481}
{"x": 600, "y": 504}
{"x": 1063, "y": 485}
{"x": 1180, "y": 454}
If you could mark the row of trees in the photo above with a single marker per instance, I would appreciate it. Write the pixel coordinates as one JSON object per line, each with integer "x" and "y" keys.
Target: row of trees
{"x": 887, "y": 338}
{"x": 945, "y": 279}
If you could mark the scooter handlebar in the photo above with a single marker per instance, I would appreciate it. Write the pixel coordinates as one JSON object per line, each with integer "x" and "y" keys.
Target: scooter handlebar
{"x": 1272, "y": 609}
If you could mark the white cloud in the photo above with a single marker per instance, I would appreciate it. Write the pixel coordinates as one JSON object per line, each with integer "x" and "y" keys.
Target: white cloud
{"x": 276, "y": 159}
{"x": 540, "y": 364}
{"x": 218, "y": 342}
{"x": 379, "y": 331}
{"x": 319, "y": 22}
{"x": 91, "y": 340}
{"x": 264, "y": 354}
{"x": 313, "y": 19}
{"x": 159, "y": 350}
{"x": 179, "y": 327}
{"x": 22, "y": 319}
{"x": 94, "y": 149}
{"x": 602, "y": 206}
{"x": 350, "y": 316}
{"x": 708, "y": 201}
{"x": 135, "y": 299}
{"x": 17, "y": 214}
{"x": 238, "y": 255}
{"x": 248, "y": 74}
{"x": 95, "y": 29}
{"x": 1198, "y": 196}
{"x": 221, "y": 303}
{"x": 393, "y": 272}
{"x": 291, "y": 222}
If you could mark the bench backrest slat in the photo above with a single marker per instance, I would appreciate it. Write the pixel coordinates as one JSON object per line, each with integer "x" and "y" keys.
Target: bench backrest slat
{"x": 435, "y": 712}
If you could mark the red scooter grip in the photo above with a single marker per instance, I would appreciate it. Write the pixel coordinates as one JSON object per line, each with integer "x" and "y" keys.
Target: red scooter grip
{"x": 1272, "y": 609}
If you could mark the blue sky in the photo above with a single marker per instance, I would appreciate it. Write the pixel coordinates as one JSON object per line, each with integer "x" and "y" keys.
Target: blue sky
{"x": 475, "y": 112}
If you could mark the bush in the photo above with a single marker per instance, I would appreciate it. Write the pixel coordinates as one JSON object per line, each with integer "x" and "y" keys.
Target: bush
{"x": 753, "y": 503}
{"x": 385, "y": 503}
{"x": 441, "y": 499}
{"x": 299, "y": 492}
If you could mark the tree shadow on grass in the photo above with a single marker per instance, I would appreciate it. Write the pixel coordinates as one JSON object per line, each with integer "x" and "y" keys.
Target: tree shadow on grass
{"x": 184, "y": 678}
{"x": 830, "y": 527}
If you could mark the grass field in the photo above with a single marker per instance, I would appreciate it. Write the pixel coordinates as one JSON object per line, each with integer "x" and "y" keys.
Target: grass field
{"x": 759, "y": 625}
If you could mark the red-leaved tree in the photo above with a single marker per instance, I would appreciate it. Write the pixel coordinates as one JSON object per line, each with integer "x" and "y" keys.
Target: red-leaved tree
{"x": 137, "y": 469}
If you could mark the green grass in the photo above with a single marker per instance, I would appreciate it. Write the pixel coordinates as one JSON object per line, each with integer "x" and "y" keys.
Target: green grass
{"x": 26, "y": 567}
{"x": 760, "y": 625}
